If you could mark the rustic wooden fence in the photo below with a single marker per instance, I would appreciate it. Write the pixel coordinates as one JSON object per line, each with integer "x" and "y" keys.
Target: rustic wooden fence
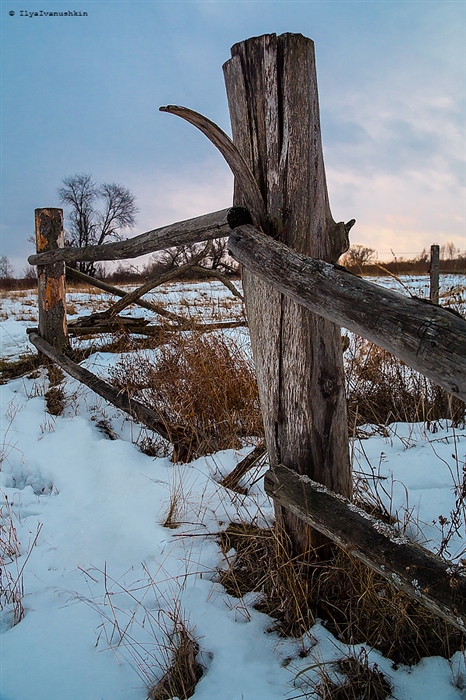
{"x": 51, "y": 337}
{"x": 297, "y": 298}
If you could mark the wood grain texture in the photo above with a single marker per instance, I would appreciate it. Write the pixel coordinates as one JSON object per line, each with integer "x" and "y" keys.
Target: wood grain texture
{"x": 51, "y": 279}
{"x": 272, "y": 95}
{"x": 425, "y": 336}
{"x": 434, "y": 273}
{"x": 428, "y": 579}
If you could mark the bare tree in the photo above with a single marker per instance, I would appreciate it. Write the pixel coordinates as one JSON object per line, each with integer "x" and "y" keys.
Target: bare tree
{"x": 219, "y": 258}
{"x": 97, "y": 213}
{"x": 6, "y": 268}
{"x": 449, "y": 251}
{"x": 423, "y": 257}
{"x": 29, "y": 272}
{"x": 359, "y": 255}
{"x": 216, "y": 259}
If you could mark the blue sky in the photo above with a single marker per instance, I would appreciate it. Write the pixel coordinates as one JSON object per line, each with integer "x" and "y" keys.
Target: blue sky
{"x": 81, "y": 95}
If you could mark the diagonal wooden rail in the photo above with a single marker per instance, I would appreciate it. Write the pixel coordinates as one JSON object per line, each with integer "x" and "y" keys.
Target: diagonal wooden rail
{"x": 427, "y": 337}
{"x": 184, "y": 441}
{"x": 201, "y": 228}
{"x": 428, "y": 579}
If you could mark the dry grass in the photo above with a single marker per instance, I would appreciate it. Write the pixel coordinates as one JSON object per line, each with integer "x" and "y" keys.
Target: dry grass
{"x": 178, "y": 502}
{"x": 11, "y": 369}
{"x": 11, "y": 587}
{"x": 159, "y": 642}
{"x": 381, "y": 389}
{"x": 262, "y": 564}
{"x": 55, "y": 401}
{"x": 358, "y": 605}
{"x": 184, "y": 671}
{"x": 350, "y": 678}
{"x": 201, "y": 384}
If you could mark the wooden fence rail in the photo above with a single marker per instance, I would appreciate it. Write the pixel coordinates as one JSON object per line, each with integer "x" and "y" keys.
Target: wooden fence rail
{"x": 425, "y": 577}
{"x": 425, "y": 336}
{"x": 201, "y": 228}
{"x": 184, "y": 441}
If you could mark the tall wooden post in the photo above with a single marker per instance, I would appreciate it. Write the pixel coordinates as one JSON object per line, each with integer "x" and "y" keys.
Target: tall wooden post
{"x": 51, "y": 279}
{"x": 272, "y": 95}
{"x": 434, "y": 273}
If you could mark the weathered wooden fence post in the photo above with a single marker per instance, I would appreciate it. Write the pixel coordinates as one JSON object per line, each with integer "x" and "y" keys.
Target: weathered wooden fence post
{"x": 434, "y": 273}
{"x": 272, "y": 95}
{"x": 51, "y": 279}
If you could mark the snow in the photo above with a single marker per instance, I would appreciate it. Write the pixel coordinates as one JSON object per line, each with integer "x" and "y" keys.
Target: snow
{"x": 100, "y": 567}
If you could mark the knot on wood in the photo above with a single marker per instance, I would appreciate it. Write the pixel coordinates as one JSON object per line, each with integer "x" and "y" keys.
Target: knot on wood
{"x": 328, "y": 387}
{"x": 238, "y": 216}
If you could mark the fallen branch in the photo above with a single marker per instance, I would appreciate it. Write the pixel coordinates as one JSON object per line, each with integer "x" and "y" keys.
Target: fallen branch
{"x": 156, "y": 308}
{"x": 131, "y": 297}
{"x": 79, "y": 330}
{"x": 231, "y": 480}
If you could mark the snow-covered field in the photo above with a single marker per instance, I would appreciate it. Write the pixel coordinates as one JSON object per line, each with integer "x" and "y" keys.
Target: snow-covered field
{"x": 102, "y": 575}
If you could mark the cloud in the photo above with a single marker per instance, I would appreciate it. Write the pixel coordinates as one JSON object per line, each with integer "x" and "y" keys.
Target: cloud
{"x": 170, "y": 196}
{"x": 399, "y": 213}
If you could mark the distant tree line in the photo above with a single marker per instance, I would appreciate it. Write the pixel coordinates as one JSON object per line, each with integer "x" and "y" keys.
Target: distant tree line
{"x": 363, "y": 260}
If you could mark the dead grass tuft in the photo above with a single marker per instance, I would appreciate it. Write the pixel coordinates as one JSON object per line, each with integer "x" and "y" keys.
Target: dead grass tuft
{"x": 11, "y": 587}
{"x": 262, "y": 564}
{"x": 201, "y": 384}
{"x": 381, "y": 389}
{"x": 12, "y": 369}
{"x": 184, "y": 671}
{"x": 55, "y": 401}
{"x": 353, "y": 678}
{"x": 361, "y": 606}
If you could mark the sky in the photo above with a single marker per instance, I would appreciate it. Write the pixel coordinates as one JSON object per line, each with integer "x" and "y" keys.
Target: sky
{"x": 80, "y": 94}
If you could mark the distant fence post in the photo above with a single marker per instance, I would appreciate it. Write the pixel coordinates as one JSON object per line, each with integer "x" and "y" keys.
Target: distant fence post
{"x": 51, "y": 279}
{"x": 272, "y": 95}
{"x": 434, "y": 273}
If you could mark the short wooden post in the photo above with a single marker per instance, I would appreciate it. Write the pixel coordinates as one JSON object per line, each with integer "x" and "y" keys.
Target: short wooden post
{"x": 272, "y": 95}
{"x": 51, "y": 279}
{"x": 434, "y": 273}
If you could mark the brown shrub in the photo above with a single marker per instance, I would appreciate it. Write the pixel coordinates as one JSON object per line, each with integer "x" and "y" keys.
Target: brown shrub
{"x": 201, "y": 384}
{"x": 382, "y": 389}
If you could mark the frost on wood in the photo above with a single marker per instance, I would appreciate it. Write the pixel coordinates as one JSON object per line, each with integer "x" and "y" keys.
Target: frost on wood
{"x": 408, "y": 566}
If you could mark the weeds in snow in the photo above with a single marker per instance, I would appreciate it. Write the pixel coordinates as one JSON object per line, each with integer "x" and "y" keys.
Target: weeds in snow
{"x": 152, "y": 632}
{"x": 178, "y": 502}
{"x": 350, "y": 678}
{"x": 11, "y": 584}
{"x": 11, "y": 369}
{"x": 357, "y": 604}
{"x": 381, "y": 389}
